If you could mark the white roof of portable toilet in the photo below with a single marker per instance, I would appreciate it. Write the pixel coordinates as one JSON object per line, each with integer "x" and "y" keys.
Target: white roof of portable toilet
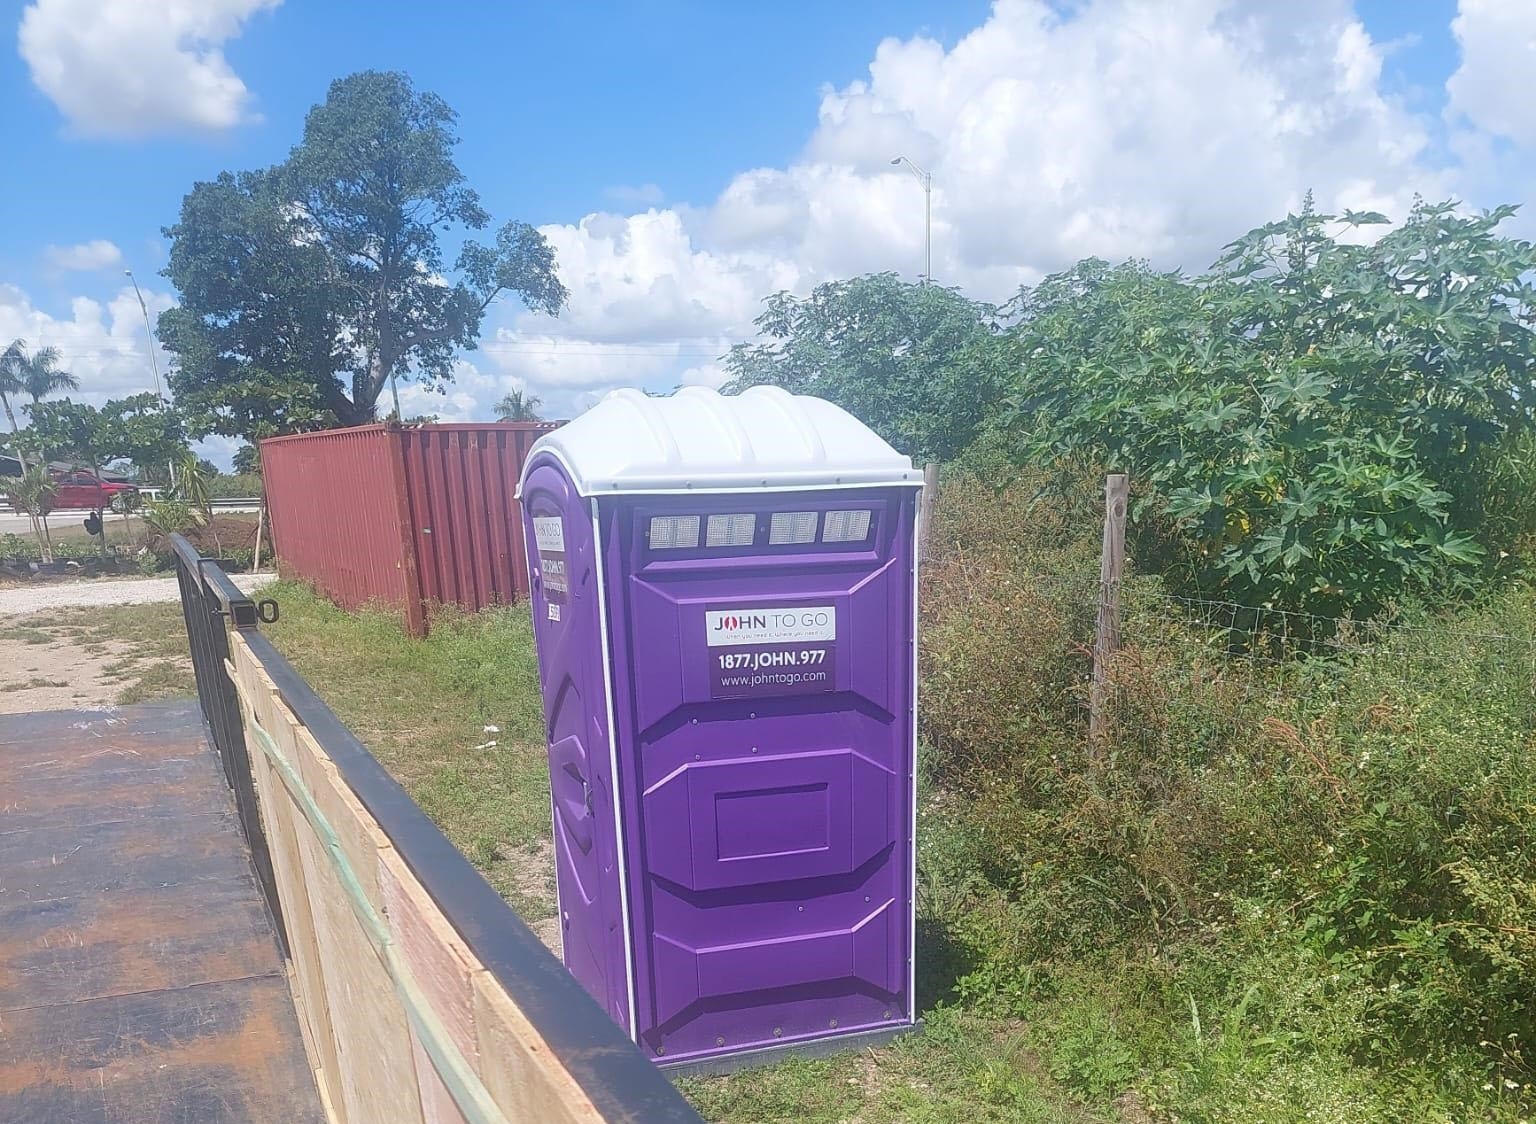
{"x": 699, "y": 440}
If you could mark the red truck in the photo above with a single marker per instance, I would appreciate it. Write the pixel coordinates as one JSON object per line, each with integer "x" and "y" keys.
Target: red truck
{"x": 83, "y": 490}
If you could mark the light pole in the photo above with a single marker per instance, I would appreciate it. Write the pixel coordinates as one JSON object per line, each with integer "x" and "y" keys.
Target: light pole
{"x": 926, "y": 179}
{"x": 154, "y": 364}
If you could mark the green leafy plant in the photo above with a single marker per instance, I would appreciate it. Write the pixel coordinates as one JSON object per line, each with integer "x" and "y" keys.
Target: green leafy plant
{"x": 1311, "y": 424}
{"x": 33, "y": 493}
{"x": 915, "y": 362}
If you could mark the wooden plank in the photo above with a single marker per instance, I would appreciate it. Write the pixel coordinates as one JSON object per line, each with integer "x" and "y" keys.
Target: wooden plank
{"x": 1107, "y": 632}
{"x": 218, "y": 1053}
{"x": 96, "y": 945}
{"x": 438, "y": 960}
{"x": 361, "y": 839}
{"x": 373, "y": 1049}
{"x": 437, "y": 1103}
{"x": 925, "y": 510}
{"x": 282, "y": 822}
{"x": 131, "y": 855}
{"x": 46, "y": 729}
{"x": 173, "y": 789}
{"x": 523, "y": 1077}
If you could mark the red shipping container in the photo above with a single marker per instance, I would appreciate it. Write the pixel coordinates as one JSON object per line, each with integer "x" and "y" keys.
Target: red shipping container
{"x": 405, "y": 516}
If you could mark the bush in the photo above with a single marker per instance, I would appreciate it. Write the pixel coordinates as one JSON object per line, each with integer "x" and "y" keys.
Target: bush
{"x": 1319, "y": 424}
{"x": 1295, "y": 884}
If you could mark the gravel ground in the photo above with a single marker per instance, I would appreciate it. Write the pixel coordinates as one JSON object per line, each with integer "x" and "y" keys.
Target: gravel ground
{"x": 87, "y": 592}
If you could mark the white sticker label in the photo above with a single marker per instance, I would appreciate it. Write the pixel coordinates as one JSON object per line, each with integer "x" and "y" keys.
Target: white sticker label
{"x": 770, "y": 626}
{"x": 554, "y": 611}
{"x": 549, "y": 530}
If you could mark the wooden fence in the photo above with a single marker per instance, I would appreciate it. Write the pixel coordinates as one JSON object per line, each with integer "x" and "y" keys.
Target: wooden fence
{"x": 423, "y": 999}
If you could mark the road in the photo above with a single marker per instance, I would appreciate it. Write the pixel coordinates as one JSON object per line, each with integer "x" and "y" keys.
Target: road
{"x": 98, "y": 591}
{"x": 11, "y": 524}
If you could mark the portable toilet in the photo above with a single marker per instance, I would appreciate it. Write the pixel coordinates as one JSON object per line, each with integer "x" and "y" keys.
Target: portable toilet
{"x": 724, "y": 603}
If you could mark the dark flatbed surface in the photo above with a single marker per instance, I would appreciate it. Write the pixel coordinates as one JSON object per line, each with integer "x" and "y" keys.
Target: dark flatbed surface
{"x": 140, "y": 982}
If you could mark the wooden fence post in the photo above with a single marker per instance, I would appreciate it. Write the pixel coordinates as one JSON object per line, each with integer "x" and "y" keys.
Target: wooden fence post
{"x": 925, "y": 509}
{"x": 1106, "y": 639}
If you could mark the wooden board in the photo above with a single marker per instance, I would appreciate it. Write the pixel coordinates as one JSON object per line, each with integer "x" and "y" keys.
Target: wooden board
{"x": 94, "y": 945}
{"x": 218, "y": 1053}
{"x": 140, "y": 980}
{"x": 126, "y": 855}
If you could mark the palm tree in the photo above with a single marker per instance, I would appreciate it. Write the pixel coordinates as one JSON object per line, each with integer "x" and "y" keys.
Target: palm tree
{"x": 519, "y": 406}
{"x": 36, "y": 375}
{"x": 40, "y": 374}
{"x": 11, "y": 386}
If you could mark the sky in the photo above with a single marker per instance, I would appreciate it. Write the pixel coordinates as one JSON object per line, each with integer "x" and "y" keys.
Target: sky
{"x": 688, "y": 158}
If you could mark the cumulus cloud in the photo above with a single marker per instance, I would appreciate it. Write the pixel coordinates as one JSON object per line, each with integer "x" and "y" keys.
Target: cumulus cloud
{"x": 1118, "y": 128}
{"x": 83, "y": 257}
{"x": 104, "y": 345}
{"x": 1498, "y": 54}
{"x": 130, "y": 68}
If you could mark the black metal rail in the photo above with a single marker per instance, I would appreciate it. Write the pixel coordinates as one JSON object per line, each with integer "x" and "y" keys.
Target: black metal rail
{"x": 208, "y": 600}
{"x": 621, "y": 1082}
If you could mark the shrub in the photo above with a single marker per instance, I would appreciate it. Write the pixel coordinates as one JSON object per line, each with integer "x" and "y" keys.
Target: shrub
{"x": 1316, "y": 869}
{"x": 1317, "y": 422}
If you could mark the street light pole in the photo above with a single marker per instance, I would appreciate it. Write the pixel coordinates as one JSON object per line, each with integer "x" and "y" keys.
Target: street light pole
{"x": 154, "y": 364}
{"x": 926, "y": 179}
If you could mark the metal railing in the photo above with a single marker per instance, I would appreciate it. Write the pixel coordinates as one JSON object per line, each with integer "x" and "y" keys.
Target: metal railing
{"x": 620, "y": 1082}
{"x": 208, "y": 599}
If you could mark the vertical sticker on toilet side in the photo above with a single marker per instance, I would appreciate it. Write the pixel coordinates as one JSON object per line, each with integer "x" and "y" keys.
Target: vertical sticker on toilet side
{"x": 549, "y": 534}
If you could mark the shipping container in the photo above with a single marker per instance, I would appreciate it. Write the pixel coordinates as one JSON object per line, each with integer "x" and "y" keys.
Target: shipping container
{"x": 403, "y": 516}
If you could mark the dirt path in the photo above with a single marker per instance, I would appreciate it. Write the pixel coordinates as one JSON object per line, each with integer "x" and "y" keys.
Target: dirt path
{"x": 93, "y": 656}
{"x": 91, "y": 592}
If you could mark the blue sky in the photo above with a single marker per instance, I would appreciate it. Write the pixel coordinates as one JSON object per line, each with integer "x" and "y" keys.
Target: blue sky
{"x": 686, "y": 159}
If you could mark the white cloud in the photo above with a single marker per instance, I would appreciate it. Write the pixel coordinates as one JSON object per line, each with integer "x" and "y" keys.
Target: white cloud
{"x": 84, "y": 256}
{"x": 133, "y": 67}
{"x": 1498, "y": 55}
{"x": 104, "y": 345}
{"x": 1121, "y": 128}
{"x": 636, "y": 195}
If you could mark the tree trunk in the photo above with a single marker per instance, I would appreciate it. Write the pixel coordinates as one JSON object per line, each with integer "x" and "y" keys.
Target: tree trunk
{"x": 15, "y": 430}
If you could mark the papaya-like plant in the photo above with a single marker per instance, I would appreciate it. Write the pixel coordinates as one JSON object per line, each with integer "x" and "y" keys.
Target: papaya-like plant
{"x": 1312, "y": 423}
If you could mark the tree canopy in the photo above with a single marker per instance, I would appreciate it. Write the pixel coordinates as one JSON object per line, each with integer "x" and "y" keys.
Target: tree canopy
{"x": 140, "y": 428}
{"x": 915, "y": 362}
{"x": 1331, "y": 417}
{"x": 309, "y": 287}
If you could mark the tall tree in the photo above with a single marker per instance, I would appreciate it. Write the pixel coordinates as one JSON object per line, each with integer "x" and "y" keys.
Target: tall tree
{"x": 308, "y": 287}
{"x": 518, "y": 406}
{"x": 12, "y": 386}
{"x": 39, "y": 372}
{"x": 915, "y": 362}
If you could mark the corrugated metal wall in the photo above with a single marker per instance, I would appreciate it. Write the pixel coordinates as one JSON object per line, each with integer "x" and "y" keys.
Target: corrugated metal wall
{"x": 402, "y": 516}
{"x": 461, "y": 482}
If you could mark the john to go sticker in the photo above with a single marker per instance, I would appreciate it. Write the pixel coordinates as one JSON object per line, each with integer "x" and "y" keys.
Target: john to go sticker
{"x": 754, "y": 625}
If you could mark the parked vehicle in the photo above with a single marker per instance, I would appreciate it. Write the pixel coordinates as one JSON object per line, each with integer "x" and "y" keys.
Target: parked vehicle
{"x": 82, "y": 490}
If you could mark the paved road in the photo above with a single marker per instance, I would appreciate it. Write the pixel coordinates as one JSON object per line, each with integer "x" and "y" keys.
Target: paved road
{"x": 12, "y": 524}
{"x": 102, "y": 591}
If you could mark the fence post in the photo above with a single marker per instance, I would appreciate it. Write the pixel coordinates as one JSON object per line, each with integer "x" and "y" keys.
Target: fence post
{"x": 1106, "y": 638}
{"x": 925, "y": 509}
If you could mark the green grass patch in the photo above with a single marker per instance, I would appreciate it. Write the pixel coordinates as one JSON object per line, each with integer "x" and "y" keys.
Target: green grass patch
{"x": 422, "y": 708}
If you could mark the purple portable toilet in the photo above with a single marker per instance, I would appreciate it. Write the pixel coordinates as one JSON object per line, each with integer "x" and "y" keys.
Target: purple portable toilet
{"x": 724, "y": 602}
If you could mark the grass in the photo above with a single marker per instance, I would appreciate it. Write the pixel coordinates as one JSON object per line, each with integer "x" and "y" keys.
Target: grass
{"x": 422, "y": 707}
{"x": 37, "y": 681}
